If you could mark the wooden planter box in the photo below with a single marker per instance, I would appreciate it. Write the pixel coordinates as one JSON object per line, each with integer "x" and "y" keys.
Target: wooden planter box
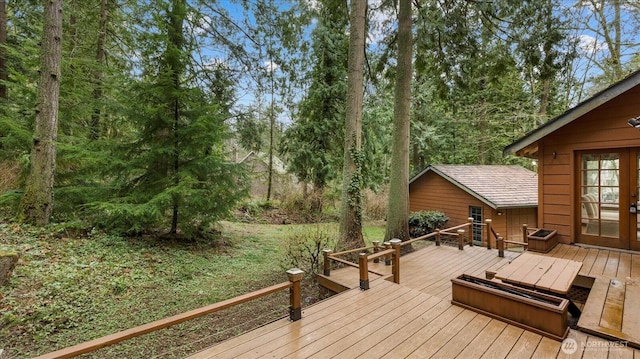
{"x": 537, "y": 312}
{"x": 542, "y": 240}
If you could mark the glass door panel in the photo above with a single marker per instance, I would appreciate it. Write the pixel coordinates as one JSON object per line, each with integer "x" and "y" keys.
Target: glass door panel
{"x": 600, "y": 194}
{"x": 476, "y": 214}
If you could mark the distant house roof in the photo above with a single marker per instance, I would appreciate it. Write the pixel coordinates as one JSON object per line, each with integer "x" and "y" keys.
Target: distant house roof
{"x": 527, "y": 145}
{"x": 497, "y": 186}
{"x": 278, "y": 165}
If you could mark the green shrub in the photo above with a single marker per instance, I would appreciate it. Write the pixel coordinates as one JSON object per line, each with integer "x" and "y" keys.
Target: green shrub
{"x": 303, "y": 248}
{"x": 425, "y": 222}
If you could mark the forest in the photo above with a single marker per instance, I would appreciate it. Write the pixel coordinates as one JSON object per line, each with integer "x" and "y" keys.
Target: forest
{"x": 125, "y": 120}
{"x": 154, "y": 97}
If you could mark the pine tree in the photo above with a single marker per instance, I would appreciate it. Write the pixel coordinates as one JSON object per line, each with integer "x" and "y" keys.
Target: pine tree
{"x": 175, "y": 174}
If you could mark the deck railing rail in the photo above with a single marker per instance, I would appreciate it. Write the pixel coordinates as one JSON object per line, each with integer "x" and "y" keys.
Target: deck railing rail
{"x": 295, "y": 313}
{"x": 390, "y": 252}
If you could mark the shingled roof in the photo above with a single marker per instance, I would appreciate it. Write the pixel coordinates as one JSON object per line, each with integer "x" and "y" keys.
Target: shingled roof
{"x": 498, "y": 186}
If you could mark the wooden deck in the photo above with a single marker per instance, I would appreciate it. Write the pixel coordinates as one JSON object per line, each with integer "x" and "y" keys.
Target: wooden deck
{"x": 416, "y": 319}
{"x": 611, "y": 310}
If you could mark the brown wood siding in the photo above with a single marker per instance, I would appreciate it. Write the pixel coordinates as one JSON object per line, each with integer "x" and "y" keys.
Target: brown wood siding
{"x": 603, "y": 128}
{"x": 516, "y": 217}
{"x": 434, "y": 193}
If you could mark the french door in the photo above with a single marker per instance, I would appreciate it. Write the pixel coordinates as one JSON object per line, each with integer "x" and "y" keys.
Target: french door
{"x": 475, "y": 212}
{"x": 609, "y": 186}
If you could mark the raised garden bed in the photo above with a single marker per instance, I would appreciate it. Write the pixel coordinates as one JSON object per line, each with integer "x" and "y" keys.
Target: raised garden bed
{"x": 542, "y": 240}
{"x": 540, "y": 313}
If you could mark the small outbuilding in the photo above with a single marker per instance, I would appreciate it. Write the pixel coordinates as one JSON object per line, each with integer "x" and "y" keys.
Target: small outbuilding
{"x": 508, "y": 195}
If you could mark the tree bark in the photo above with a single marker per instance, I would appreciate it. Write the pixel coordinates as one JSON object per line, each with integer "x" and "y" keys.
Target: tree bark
{"x": 398, "y": 207}
{"x": 351, "y": 219}
{"x": 36, "y": 205}
{"x": 98, "y": 75}
{"x": 4, "y": 76}
{"x": 177, "y": 67}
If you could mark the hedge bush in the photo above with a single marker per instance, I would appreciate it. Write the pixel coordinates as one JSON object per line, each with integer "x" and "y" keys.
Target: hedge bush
{"x": 425, "y": 222}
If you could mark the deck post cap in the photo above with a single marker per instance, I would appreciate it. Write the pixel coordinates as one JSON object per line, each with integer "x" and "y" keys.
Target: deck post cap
{"x": 488, "y": 220}
{"x": 325, "y": 250}
{"x": 395, "y": 241}
{"x": 295, "y": 273}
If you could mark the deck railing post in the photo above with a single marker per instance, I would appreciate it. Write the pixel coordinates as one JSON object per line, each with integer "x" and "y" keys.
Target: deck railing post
{"x": 387, "y": 258}
{"x": 295, "y": 294}
{"x": 470, "y": 219}
{"x": 363, "y": 265}
{"x": 460, "y": 239}
{"x": 376, "y": 249}
{"x": 488, "y": 222}
{"x": 326, "y": 265}
{"x": 500, "y": 247}
{"x": 396, "y": 244}
{"x": 525, "y": 237}
{"x": 437, "y": 238}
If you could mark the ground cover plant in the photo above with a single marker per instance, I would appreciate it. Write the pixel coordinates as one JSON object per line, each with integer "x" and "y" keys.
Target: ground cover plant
{"x": 72, "y": 287}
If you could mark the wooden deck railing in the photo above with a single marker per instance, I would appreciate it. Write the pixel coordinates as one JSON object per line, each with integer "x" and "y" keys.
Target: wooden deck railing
{"x": 295, "y": 313}
{"x": 503, "y": 244}
{"x": 390, "y": 251}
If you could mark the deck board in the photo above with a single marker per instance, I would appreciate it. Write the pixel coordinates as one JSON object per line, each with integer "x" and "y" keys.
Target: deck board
{"x": 611, "y": 267}
{"x": 395, "y": 338}
{"x": 635, "y": 266}
{"x": 464, "y": 338}
{"x": 503, "y": 344}
{"x": 479, "y": 345}
{"x": 315, "y": 333}
{"x": 346, "y": 346}
{"x": 416, "y": 318}
{"x": 600, "y": 263}
{"x": 587, "y": 262}
{"x": 624, "y": 266}
{"x": 426, "y": 332}
{"x": 525, "y": 346}
{"x": 320, "y": 339}
{"x": 547, "y": 348}
{"x": 441, "y": 337}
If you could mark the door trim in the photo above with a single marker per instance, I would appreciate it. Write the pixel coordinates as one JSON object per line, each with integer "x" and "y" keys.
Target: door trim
{"x": 624, "y": 169}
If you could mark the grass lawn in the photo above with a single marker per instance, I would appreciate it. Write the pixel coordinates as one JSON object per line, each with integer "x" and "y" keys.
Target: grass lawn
{"x": 68, "y": 289}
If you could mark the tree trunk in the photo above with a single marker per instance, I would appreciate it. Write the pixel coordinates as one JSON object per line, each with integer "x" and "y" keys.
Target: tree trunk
{"x": 272, "y": 122}
{"x": 3, "y": 54}
{"x": 398, "y": 207}
{"x": 175, "y": 63}
{"x": 36, "y": 205}
{"x": 351, "y": 221}
{"x": 100, "y": 62}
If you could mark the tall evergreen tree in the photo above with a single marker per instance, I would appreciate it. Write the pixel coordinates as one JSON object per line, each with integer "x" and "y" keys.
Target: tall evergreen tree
{"x": 398, "y": 201}
{"x": 351, "y": 217}
{"x": 175, "y": 174}
{"x": 3, "y": 52}
{"x": 36, "y": 205}
{"x": 313, "y": 145}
